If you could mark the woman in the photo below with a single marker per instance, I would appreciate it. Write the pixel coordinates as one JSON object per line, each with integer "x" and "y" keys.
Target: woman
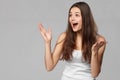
{"x": 80, "y": 45}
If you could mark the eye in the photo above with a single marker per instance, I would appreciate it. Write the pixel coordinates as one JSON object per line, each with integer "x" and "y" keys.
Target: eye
{"x": 78, "y": 15}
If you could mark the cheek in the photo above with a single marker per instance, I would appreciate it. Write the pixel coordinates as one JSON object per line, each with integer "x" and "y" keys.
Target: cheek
{"x": 80, "y": 24}
{"x": 69, "y": 20}
{"x": 80, "y": 21}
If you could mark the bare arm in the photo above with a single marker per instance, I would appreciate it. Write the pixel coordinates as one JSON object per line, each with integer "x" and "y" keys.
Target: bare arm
{"x": 97, "y": 55}
{"x": 51, "y": 58}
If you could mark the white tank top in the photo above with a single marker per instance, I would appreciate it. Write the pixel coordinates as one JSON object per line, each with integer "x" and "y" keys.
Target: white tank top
{"x": 76, "y": 68}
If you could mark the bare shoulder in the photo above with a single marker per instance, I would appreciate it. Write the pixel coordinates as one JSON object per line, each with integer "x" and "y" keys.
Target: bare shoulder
{"x": 61, "y": 37}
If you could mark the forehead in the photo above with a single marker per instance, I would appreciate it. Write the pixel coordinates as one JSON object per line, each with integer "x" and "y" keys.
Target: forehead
{"x": 74, "y": 10}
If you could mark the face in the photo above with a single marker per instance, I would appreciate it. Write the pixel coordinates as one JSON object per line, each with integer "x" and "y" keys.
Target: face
{"x": 75, "y": 19}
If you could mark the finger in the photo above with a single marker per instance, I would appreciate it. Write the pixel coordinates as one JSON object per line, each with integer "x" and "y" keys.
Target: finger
{"x": 100, "y": 44}
{"x": 49, "y": 30}
{"x": 96, "y": 44}
{"x": 43, "y": 35}
{"x": 40, "y": 25}
{"x": 41, "y": 28}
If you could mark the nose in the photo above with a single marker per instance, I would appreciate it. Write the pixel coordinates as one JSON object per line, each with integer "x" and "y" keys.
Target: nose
{"x": 72, "y": 18}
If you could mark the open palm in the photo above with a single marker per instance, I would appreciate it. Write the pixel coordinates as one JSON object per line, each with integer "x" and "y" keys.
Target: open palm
{"x": 97, "y": 46}
{"x": 46, "y": 34}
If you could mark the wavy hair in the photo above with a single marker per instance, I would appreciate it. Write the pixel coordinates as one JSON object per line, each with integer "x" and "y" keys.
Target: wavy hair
{"x": 89, "y": 32}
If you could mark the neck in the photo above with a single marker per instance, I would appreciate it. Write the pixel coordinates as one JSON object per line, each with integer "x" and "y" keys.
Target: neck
{"x": 79, "y": 34}
{"x": 79, "y": 41}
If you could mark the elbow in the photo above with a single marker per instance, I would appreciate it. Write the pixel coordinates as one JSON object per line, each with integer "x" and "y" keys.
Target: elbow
{"x": 49, "y": 68}
{"x": 95, "y": 74}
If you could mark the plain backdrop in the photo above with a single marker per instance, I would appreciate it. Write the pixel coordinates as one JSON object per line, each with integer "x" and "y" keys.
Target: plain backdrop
{"x": 22, "y": 47}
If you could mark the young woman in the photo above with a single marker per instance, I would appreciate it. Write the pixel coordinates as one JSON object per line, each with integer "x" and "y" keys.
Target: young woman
{"x": 80, "y": 45}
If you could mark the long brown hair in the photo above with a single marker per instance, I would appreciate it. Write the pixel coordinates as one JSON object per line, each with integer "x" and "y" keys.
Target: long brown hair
{"x": 89, "y": 32}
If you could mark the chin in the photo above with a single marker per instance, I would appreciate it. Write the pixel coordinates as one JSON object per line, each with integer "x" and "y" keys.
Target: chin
{"x": 77, "y": 30}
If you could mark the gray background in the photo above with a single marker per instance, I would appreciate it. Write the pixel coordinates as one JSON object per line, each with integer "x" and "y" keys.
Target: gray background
{"x": 22, "y": 47}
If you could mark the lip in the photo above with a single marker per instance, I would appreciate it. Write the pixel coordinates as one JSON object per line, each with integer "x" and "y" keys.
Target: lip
{"x": 74, "y": 26}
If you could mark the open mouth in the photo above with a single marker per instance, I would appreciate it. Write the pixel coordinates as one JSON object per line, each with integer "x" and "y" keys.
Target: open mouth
{"x": 75, "y": 24}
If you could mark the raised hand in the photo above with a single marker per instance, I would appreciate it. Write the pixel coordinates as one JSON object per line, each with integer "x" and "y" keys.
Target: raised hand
{"x": 46, "y": 34}
{"x": 97, "y": 46}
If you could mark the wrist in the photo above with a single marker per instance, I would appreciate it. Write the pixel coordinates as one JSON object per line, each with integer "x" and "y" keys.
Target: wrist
{"x": 48, "y": 43}
{"x": 94, "y": 53}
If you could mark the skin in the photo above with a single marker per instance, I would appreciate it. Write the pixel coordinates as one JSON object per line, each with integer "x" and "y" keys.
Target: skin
{"x": 75, "y": 17}
{"x": 52, "y": 57}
